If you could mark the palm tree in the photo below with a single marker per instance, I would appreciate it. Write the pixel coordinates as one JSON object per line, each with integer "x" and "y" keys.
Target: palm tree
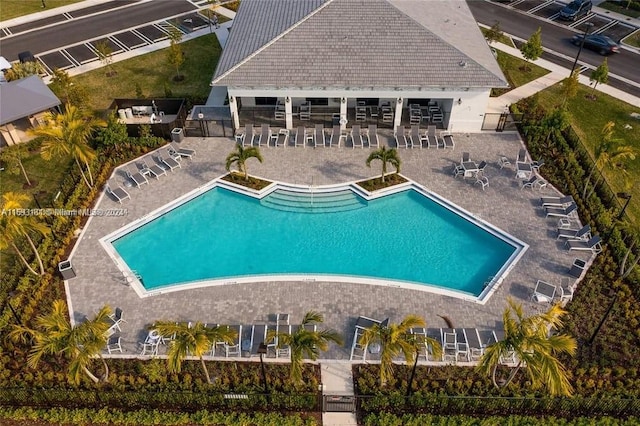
{"x": 240, "y": 156}
{"x": 305, "y": 342}
{"x": 14, "y": 227}
{"x": 195, "y": 339}
{"x": 608, "y": 154}
{"x": 80, "y": 344}
{"x": 393, "y": 339}
{"x": 529, "y": 339}
{"x": 68, "y": 133}
{"x": 386, "y": 156}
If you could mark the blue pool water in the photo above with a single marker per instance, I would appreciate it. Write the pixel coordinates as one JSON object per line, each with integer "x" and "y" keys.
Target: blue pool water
{"x": 405, "y": 236}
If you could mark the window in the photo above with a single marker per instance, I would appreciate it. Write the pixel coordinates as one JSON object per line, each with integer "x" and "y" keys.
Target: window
{"x": 318, "y": 101}
{"x": 266, "y": 101}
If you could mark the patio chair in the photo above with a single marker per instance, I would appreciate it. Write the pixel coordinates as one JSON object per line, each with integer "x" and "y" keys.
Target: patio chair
{"x": 358, "y": 350}
{"x": 356, "y": 136}
{"x": 583, "y": 233}
{"x": 561, "y": 212}
{"x": 319, "y": 139}
{"x": 151, "y": 169}
{"x": 522, "y": 156}
{"x": 594, "y": 245}
{"x": 414, "y": 137}
{"x": 556, "y": 201}
{"x": 336, "y": 137}
{"x": 117, "y": 192}
{"x": 113, "y": 344}
{"x": 249, "y": 134}
{"x": 372, "y": 136}
{"x": 117, "y": 319}
{"x": 283, "y": 138}
{"x": 401, "y": 137}
{"x": 528, "y": 183}
{"x": 535, "y": 165}
{"x": 169, "y": 162}
{"x": 543, "y": 292}
{"x": 432, "y": 138}
{"x": 473, "y": 341}
{"x": 421, "y": 336}
{"x": 300, "y": 137}
{"x": 503, "y": 161}
{"x": 565, "y": 291}
{"x": 465, "y": 157}
{"x": 182, "y": 152}
{"x": 481, "y": 180}
{"x": 447, "y": 140}
{"x": 265, "y": 135}
{"x": 137, "y": 178}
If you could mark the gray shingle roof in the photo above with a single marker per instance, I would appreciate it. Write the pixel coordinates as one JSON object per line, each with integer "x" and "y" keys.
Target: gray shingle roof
{"x": 360, "y": 44}
{"x": 24, "y": 97}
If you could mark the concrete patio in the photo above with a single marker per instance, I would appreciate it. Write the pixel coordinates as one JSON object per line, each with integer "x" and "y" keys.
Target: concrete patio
{"x": 502, "y": 203}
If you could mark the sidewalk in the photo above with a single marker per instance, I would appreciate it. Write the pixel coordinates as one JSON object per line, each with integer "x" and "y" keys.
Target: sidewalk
{"x": 337, "y": 380}
{"x": 558, "y": 73}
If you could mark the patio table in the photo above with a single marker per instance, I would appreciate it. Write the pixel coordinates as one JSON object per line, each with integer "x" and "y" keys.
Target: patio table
{"x": 523, "y": 170}
{"x": 470, "y": 168}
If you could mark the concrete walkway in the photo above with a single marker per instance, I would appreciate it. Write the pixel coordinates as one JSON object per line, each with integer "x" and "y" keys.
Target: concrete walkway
{"x": 337, "y": 380}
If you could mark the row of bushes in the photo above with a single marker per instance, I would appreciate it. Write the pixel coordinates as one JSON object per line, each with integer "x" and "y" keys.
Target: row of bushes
{"x": 388, "y": 419}
{"x": 153, "y": 417}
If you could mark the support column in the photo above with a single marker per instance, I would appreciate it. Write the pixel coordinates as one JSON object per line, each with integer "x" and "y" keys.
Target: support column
{"x": 398, "y": 117}
{"x": 343, "y": 113}
{"x": 233, "y": 106}
{"x": 288, "y": 112}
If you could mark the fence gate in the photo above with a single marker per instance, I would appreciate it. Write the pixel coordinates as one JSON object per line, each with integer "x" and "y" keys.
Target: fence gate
{"x": 501, "y": 121}
{"x": 338, "y": 403}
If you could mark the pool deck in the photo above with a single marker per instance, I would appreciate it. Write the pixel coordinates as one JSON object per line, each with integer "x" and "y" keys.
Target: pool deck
{"x": 502, "y": 204}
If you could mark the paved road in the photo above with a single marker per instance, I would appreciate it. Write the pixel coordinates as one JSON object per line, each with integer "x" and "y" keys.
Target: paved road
{"x": 75, "y": 31}
{"x": 625, "y": 64}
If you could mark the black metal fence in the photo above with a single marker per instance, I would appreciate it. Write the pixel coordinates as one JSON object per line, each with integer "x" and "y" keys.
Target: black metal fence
{"x": 502, "y": 121}
{"x": 222, "y": 128}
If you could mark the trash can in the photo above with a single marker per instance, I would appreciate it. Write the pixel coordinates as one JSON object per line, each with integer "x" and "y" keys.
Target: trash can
{"x": 66, "y": 270}
{"x": 177, "y": 134}
{"x": 577, "y": 268}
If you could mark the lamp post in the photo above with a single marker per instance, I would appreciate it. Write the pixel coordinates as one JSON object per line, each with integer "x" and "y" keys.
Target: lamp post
{"x": 413, "y": 371}
{"x": 584, "y": 36}
{"x": 262, "y": 350}
{"x": 624, "y": 196}
{"x": 604, "y": 318}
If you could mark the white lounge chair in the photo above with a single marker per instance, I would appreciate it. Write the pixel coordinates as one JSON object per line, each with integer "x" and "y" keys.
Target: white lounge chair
{"x": 249, "y": 134}
{"x": 575, "y": 234}
{"x": 300, "y": 137}
{"x": 414, "y": 137}
{"x": 170, "y": 162}
{"x": 474, "y": 344}
{"x": 372, "y": 136}
{"x": 356, "y": 136}
{"x": 117, "y": 192}
{"x": 336, "y": 137}
{"x": 318, "y": 137}
{"x": 265, "y": 135}
{"x": 137, "y": 178}
{"x": 561, "y": 212}
{"x": 432, "y": 139}
{"x": 447, "y": 140}
{"x": 182, "y": 152}
{"x": 152, "y": 168}
{"x": 556, "y": 201}
{"x": 283, "y": 138}
{"x": 593, "y": 245}
{"x": 401, "y": 137}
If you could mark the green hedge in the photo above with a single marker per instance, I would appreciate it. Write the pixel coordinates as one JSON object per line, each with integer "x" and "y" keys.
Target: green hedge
{"x": 152, "y": 417}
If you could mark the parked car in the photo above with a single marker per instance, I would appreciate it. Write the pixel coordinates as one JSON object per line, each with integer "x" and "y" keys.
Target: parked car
{"x": 575, "y": 10}
{"x": 600, "y": 43}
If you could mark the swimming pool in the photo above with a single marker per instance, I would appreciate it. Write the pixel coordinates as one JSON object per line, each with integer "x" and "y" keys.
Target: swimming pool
{"x": 407, "y": 238}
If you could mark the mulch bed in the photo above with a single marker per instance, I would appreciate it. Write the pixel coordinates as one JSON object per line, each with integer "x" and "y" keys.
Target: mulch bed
{"x": 376, "y": 183}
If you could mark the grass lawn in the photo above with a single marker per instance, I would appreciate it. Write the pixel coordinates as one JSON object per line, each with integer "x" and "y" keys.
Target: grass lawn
{"x": 633, "y": 39}
{"x": 503, "y": 39}
{"x": 152, "y": 72}
{"x": 589, "y": 117}
{"x": 14, "y": 8}
{"x": 620, "y": 7}
{"x": 512, "y": 68}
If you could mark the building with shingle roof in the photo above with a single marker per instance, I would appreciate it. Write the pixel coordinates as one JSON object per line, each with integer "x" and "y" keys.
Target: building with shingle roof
{"x": 386, "y": 62}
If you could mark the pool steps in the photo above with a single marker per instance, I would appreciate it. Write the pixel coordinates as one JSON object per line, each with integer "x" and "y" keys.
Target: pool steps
{"x": 313, "y": 202}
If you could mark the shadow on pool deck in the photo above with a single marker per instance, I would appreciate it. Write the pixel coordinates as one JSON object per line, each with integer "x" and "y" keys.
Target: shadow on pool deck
{"x": 502, "y": 204}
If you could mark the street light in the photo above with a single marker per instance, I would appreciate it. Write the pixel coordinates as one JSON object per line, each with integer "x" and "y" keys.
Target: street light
{"x": 624, "y": 196}
{"x": 262, "y": 350}
{"x": 584, "y": 36}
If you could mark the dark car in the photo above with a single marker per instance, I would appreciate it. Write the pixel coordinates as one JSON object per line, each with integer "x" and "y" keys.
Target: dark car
{"x": 25, "y": 57}
{"x": 575, "y": 10}
{"x": 600, "y": 43}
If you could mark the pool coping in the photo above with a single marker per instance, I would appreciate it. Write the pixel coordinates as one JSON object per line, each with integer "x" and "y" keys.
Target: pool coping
{"x": 492, "y": 285}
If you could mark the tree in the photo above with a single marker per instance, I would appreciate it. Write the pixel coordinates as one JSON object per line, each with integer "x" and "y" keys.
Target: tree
{"x": 175, "y": 55}
{"x": 529, "y": 338}
{"x": 386, "y": 156}
{"x": 494, "y": 33}
{"x": 80, "y": 343}
{"x": 570, "y": 87}
{"x": 105, "y": 55}
{"x": 196, "y": 339}
{"x": 609, "y": 153}
{"x": 14, "y": 226}
{"x": 61, "y": 83}
{"x": 599, "y": 75}
{"x": 12, "y": 156}
{"x": 113, "y": 134}
{"x": 393, "y": 339}
{"x": 532, "y": 49}
{"x": 240, "y": 157}
{"x": 20, "y": 70}
{"x": 305, "y": 342}
{"x": 68, "y": 133}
